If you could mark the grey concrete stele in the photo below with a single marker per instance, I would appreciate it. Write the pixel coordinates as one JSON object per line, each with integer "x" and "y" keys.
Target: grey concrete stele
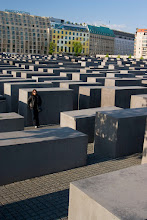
{"x": 54, "y": 101}
{"x": 32, "y": 153}
{"x": 11, "y": 92}
{"x": 11, "y": 122}
{"x": 82, "y": 120}
{"x": 119, "y": 195}
{"x": 139, "y": 101}
{"x": 144, "y": 152}
{"x": 119, "y": 132}
{"x": 120, "y": 96}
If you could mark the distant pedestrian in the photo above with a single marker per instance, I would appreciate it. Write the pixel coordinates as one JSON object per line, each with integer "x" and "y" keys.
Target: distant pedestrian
{"x": 34, "y": 103}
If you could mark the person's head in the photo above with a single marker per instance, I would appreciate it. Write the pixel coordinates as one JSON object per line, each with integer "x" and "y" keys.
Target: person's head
{"x": 34, "y": 92}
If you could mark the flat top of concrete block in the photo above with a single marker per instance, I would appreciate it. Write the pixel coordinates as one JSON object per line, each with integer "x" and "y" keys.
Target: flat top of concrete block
{"x": 39, "y": 135}
{"x": 124, "y": 87}
{"x": 81, "y": 83}
{"x": 46, "y": 89}
{"x": 11, "y": 115}
{"x": 123, "y": 192}
{"x": 140, "y": 95}
{"x": 28, "y": 83}
{"x": 123, "y": 79}
{"x": 126, "y": 113}
{"x": 88, "y": 112}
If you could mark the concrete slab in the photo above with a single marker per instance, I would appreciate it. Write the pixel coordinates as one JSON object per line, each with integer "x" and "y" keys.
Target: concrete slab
{"x": 120, "y": 96}
{"x": 54, "y": 101}
{"x": 75, "y": 87}
{"x": 110, "y": 196}
{"x": 138, "y": 101}
{"x": 82, "y": 120}
{"x": 11, "y": 92}
{"x": 39, "y": 152}
{"x": 11, "y": 122}
{"x": 119, "y": 132}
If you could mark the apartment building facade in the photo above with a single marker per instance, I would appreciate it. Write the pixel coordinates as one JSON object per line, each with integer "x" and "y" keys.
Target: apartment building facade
{"x": 140, "y": 44}
{"x": 21, "y": 32}
{"x": 101, "y": 40}
{"x": 63, "y": 35}
{"x": 123, "y": 43}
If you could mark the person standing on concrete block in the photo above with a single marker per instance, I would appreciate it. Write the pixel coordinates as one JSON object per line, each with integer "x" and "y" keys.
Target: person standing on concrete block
{"x": 34, "y": 103}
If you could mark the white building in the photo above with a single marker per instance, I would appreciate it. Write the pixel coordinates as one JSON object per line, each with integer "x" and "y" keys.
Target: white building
{"x": 140, "y": 45}
{"x": 123, "y": 43}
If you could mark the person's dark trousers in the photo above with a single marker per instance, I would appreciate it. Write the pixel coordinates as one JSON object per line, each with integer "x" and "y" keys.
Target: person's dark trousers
{"x": 35, "y": 117}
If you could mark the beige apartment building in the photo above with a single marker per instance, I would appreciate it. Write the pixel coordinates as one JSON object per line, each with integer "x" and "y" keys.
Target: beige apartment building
{"x": 21, "y": 32}
{"x": 101, "y": 40}
{"x": 140, "y": 44}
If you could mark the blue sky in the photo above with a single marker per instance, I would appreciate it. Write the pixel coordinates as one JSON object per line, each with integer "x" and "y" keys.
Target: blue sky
{"x": 126, "y": 15}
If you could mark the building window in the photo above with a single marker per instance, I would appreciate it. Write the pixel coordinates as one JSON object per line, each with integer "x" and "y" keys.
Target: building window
{"x": 73, "y": 33}
{"x": 73, "y": 38}
{"x": 62, "y": 32}
{"x": 65, "y": 42}
{"x": 57, "y": 48}
{"x": 69, "y": 33}
{"x": 66, "y": 32}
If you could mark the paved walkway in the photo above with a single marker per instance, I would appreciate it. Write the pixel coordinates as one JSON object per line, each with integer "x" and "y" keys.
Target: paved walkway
{"x": 46, "y": 197}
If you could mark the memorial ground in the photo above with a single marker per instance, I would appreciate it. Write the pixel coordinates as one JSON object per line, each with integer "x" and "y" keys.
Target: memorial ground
{"x": 47, "y": 197}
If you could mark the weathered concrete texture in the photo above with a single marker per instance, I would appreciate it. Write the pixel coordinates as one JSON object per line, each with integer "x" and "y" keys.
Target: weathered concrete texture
{"x": 11, "y": 92}
{"x": 120, "y": 96}
{"x": 89, "y": 97}
{"x": 75, "y": 87}
{"x": 119, "y": 132}
{"x": 54, "y": 101}
{"x": 82, "y": 120}
{"x": 138, "y": 101}
{"x": 11, "y": 122}
{"x": 39, "y": 152}
{"x": 12, "y": 80}
{"x": 119, "y": 195}
{"x": 123, "y": 82}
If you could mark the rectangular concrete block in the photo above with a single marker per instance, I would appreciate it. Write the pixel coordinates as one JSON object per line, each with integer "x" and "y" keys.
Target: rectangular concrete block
{"x": 11, "y": 92}
{"x": 89, "y": 97}
{"x": 138, "y": 101}
{"x": 119, "y": 132}
{"x": 12, "y": 80}
{"x": 120, "y": 96}
{"x": 119, "y": 195}
{"x": 82, "y": 120}
{"x": 123, "y": 82}
{"x": 33, "y": 153}
{"x": 75, "y": 87}
{"x": 54, "y": 101}
{"x": 11, "y": 122}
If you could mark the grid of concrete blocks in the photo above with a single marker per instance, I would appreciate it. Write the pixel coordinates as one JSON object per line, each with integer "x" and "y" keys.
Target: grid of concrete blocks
{"x": 87, "y": 103}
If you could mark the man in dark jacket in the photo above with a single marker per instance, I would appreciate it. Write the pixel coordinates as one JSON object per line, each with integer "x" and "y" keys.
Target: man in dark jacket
{"x": 34, "y": 103}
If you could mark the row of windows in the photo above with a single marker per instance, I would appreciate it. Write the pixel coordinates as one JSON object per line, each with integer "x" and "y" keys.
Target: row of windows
{"x": 23, "y": 51}
{"x": 71, "y": 33}
{"x": 67, "y": 42}
{"x": 69, "y": 49}
{"x": 70, "y": 38}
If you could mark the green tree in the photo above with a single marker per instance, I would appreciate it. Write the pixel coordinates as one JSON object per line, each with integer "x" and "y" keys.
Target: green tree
{"x": 107, "y": 55}
{"x": 141, "y": 58}
{"x": 118, "y": 56}
{"x": 52, "y": 48}
{"x": 77, "y": 48}
{"x": 130, "y": 56}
